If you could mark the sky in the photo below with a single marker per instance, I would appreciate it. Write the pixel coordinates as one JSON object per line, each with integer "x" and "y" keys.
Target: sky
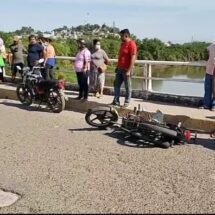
{"x": 168, "y": 20}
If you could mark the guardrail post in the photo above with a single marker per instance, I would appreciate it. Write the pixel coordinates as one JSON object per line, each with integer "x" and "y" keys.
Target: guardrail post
{"x": 149, "y": 87}
{"x": 145, "y": 75}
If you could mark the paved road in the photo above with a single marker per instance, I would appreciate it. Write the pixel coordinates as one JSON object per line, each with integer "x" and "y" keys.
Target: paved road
{"x": 58, "y": 164}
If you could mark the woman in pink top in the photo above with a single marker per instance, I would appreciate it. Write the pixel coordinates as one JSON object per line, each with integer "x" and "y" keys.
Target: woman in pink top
{"x": 82, "y": 67}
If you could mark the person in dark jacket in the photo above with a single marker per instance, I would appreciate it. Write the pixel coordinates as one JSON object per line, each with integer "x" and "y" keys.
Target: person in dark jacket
{"x": 35, "y": 51}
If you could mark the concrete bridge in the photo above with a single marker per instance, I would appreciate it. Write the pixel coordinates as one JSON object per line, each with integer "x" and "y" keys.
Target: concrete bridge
{"x": 175, "y": 108}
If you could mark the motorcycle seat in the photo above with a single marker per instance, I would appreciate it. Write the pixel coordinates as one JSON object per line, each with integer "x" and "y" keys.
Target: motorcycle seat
{"x": 47, "y": 84}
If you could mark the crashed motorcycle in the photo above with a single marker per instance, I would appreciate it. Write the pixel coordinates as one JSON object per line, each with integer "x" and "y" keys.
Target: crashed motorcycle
{"x": 141, "y": 127}
{"x": 34, "y": 88}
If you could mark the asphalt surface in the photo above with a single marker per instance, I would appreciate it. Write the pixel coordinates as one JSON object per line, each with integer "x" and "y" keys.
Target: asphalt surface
{"x": 56, "y": 163}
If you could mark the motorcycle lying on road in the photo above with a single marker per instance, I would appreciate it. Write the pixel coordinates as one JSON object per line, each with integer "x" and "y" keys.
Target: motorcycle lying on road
{"x": 34, "y": 88}
{"x": 141, "y": 127}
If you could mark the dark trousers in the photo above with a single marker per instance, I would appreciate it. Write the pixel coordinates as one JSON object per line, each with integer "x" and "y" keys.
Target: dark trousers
{"x": 15, "y": 70}
{"x": 2, "y": 73}
{"x": 82, "y": 78}
{"x": 48, "y": 72}
{"x": 207, "y": 100}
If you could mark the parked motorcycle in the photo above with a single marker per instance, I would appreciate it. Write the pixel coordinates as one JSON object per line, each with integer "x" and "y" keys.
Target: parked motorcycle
{"x": 35, "y": 89}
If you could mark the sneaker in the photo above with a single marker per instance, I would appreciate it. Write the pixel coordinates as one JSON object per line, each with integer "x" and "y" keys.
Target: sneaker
{"x": 78, "y": 98}
{"x": 126, "y": 104}
{"x": 115, "y": 103}
{"x": 97, "y": 95}
{"x": 203, "y": 107}
{"x": 84, "y": 100}
{"x": 213, "y": 106}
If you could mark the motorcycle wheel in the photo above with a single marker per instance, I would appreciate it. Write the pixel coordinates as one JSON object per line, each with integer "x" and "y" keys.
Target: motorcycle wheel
{"x": 101, "y": 117}
{"x": 24, "y": 94}
{"x": 56, "y": 101}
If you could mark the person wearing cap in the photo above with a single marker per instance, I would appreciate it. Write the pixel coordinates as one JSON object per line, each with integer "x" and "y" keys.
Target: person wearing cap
{"x": 49, "y": 58}
{"x": 17, "y": 50}
{"x": 82, "y": 67}
{"x": 126, "y": 60}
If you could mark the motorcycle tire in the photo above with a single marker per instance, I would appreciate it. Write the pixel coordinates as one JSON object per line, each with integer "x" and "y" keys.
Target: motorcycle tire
{"x": 24, "y": 94}
{"x": 105, "y": 116}
{"x": 56, "y": 102}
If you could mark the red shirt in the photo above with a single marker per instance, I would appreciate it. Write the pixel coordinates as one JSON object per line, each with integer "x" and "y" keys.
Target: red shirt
{"x": 127, "y": 50}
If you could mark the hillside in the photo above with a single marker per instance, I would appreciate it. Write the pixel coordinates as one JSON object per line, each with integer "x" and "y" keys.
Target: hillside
{"x": 64, "y": 41}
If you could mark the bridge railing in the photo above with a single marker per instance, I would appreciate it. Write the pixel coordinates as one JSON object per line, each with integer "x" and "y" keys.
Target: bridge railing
{"x": 146, "y": 67}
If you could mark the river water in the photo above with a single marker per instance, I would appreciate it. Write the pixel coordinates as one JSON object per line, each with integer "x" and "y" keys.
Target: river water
{"x": 172, "y": 87}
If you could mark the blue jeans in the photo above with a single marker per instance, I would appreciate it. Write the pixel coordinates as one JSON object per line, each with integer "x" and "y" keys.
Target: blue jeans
{"x": 119, "y": 79}
{"x": 207, "y": 100}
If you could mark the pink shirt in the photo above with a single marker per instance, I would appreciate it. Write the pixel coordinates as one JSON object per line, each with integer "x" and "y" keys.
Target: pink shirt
{"x": 79, "y": 60}
{"x": 211, "y": 60}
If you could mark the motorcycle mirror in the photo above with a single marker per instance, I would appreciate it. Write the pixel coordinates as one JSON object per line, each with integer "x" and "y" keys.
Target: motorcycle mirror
{"x": 18, "y": 67}
{"x": 41, "y": 60}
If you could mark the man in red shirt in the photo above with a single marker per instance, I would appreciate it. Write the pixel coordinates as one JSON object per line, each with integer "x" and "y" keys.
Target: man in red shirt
{"x": 126, "y": 60}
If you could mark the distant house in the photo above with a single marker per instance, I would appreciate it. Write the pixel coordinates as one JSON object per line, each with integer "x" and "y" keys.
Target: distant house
{"x": 49, "y": 34}
{"x": 75, "y": 33}
{"x": 167, "y": 44}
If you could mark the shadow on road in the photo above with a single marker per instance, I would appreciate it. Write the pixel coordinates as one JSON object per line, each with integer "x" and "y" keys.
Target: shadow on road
{"x": 12, "y": 84}
{"x": 207, "y": 143}
{"x": 27, "y": 108}
{"x": 83, "y": 129}
{"x": 210, "y": 117}
{"x": 133, "y": 143}
{"x": 129, "y": 142}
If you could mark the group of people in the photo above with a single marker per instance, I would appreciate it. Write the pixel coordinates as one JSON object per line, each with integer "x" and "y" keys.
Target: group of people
{"x": 90, "y": 69}
{"x": 38, "y": 47}
{"x": 92, "y": 66}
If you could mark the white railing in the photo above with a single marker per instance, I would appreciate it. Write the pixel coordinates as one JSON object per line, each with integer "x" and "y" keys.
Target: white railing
{"x": 147, "y": 70}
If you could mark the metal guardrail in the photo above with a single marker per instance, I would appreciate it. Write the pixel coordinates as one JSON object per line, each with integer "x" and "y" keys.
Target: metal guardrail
{"x": 143, "y": 62}
{"x": 147, "y": 70}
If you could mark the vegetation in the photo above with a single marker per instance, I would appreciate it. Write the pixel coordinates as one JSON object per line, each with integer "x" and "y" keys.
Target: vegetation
{"x": 148, "y": 49}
